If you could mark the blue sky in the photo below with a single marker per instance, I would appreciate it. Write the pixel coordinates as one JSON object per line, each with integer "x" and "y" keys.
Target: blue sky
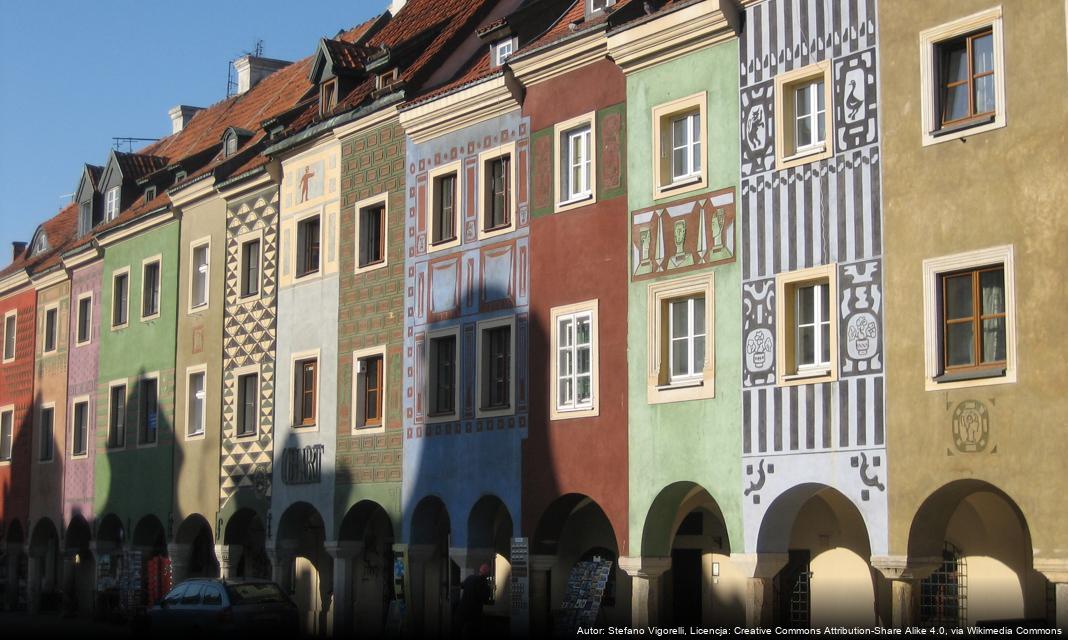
{"x": 73, "y": 75}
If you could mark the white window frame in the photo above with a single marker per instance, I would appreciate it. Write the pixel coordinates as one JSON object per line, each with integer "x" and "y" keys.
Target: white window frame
{"x": 788, "y": 372}
{"x": 693, "y": 332}
{"x": 158, "y": 258}
{"x": 54, "y": 307}
{"x": 375, "y": 200}
{"x": 484, "y": 159}
{"x": 664, "y": 181}
{"x": 660, "y": 388}
{"x": 112, "y": 200}
{"x": 503, "y": 50}
{"x": 588, "y": 308}
{"x": 813, "y": 116}
{"x": 194, "y": 245}
{"x": 195, "y": 370}
{"x": 453, "y": 331}
{"x": 591, "y": 11}
{"x": 930, "y": 103}
{"x": 294, "y": 358}
{"x": 563, "y": 133}
{"x": 818, "y": 321}
{"x": 8, "y": 410}
{"x": 124, "y": 383}
{"x": 14, "y": 343}
{"x": 357, "y": 398}
{"x": 39, "y": 431}
{"x": 78, "y": 342}
{"x": 242, "y": 240}
{"x": 787, "y": 153}
{"x": 481, "y": 328}
{"x": 74, "y": 402}
{"x": 933, "y": 269}
{"x": 152, "y": 375}
{"x": 432, "y": 181}
{"x": 111, "y": 311}
{"x": 239, "y": 408}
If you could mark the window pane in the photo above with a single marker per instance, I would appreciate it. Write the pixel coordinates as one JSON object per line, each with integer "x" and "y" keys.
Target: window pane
{"x": 992, "y": 291}
{"x": 993, "y": 340}
{"x": 679, "y": 319}
{"x": 983, "y": 53}
{"x": 959, "y": 297}
{"x": 802, "y": 101}
{"x": 984, "y": 94}
{"x": 803, "y": 135}
{"x": 820, "y": 95}
{"x": 679, "y": 357}
{"x": 679, "y": 137}
{"x": 84, "y": 309}
{"x": 825, "y": 342}
{"x": 583, "y": 390}
{"x": 806, "y": 345}
{"x": 678, "y": 163}
{"x": 564, "y": 332}
{"x": 582, "y": 330}
{"x": 806, "y": 305}
{"x": 565, "y": 364}
{"x": 583, "y": 356}
{"x": 6, "y": 424}
{"x": 699, "y": 316}
{"x": 959, "y": 340}
{"x": 698, "y": 355}
{"x": 564, "y": 392}
{"x": 956, "y": 104}
{"x": 954, "y": 62}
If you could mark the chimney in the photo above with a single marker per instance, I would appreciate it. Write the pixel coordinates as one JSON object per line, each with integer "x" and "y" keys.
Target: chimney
{"x": 396, "y": 5}
{"x": 181, "y": 115}
{"x": 16, "y": 249}
{"x": 250, "y": 70}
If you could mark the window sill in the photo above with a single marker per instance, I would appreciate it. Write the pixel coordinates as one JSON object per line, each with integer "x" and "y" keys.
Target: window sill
{"x": 246, "y": 436}
{"x": 963, "y": 126}
{"x": 575, "y": 200}
{"x": 806, "y": 152}
{"x": 681, "y": 384}
{"x": 805, "y": 375}
{"x": 251, "y": 297}
{"x": 681, "y": 182}
{"x": 310, "y": 425}
{"x": 976, "y": 374}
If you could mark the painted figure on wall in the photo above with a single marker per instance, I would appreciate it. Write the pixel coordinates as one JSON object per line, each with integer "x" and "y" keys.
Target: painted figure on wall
{"x": 682, "y": 258}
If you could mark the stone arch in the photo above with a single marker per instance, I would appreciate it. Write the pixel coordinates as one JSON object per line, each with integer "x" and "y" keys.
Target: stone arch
{"x": 195, "y": 544}
{"x": 245, "y": 535}
{"x": 302, "y": 539}
{"x": 365, "y": 544}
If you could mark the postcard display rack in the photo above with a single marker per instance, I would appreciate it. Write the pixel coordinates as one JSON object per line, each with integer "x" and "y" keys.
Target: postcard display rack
{"x": 582, "y": 600}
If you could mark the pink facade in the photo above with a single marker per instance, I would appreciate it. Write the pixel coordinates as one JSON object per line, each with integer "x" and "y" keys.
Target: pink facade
{"x": 82, "y": 368}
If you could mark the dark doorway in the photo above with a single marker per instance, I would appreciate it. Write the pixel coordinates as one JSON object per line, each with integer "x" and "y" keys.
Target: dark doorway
{"x": 792, "y": 593}
{"x": 686, "y": 586}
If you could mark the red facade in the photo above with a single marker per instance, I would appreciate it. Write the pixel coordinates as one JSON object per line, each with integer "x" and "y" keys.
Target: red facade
{"x": 16, "y": 390}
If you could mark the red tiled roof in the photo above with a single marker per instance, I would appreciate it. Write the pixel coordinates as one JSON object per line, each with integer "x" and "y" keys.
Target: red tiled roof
{"x": 346, "y": 56}
{"x": 576, "y": 15}
{"x": 138, "y": 165}
{"x": 60, "y": 230}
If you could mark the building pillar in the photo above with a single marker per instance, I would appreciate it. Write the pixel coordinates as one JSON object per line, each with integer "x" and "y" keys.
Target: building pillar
{"x": 540, "y": 606}
{"x": 904, "y": 574}
{"x": 1056, "y": 571}
{"x": 33, "y": 581}
{"x": 180, "y": 556}
{"x": 419, "y": 555}
{"x": 282, "y": 566}
{"x": 344, "y": 593}
{"x": 645, "y": 598}
{"x": 229, "y": 557}
{"x": 760, "y": 570}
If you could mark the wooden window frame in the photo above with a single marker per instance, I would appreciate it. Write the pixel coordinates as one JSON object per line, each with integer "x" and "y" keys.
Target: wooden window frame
{"x": 142, "y": 443}
{"x": 54, "y": 335}
{"x": 39, "y": 430}
{"x": 194, "y": 246}
{"x": 932, "y": 41}
{"x": 327, "y": 96}
{"x": 8, "y": 410}
{"x": 588, "y": 308}
{"x": 659, "y": 386}
{"x": 482, "y": 410}
{"x": 378, "y": 200}
{"x": 74, "y": 403}
{"x": 563, "y": 199}
{"x": 944, "y": 87}
{"x": 787, "y": 153}
{"x": 119, "y": 443}
{"x": 975, "y": 319}
{"x": 433, "y": 417}
{"x": 485, "y": 193}
{"x": 433, "y": 185}
{"x": 14, "y": 343}
{"x": 78, "y": 342}
{"x": 301, "y": 251}
{"x": 115, "y": 275}
{"x": 145, "y": 264}
{"x": 359, "y": 398}
{"x": 937, "y": 377}
{"x": 298, "y": 361}
{"x": 787, "y": 372}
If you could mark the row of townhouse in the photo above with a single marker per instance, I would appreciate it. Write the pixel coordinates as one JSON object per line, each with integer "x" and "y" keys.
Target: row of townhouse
{"x": 725, "y": 293}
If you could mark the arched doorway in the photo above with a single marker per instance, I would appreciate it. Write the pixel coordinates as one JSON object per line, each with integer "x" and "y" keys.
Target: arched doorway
{"x": 246, "y": 540}
{"x": 79, "y": 568}
{"x": 148, "y": 566}
{"x": 194, "y": 550}
{"x": 573, "y": 530}
{"x": 307, "y": 570}
{"x": 489, "y": 542}
{"x": 15, "y": 568}
{"x": 827, "y": 578}
{"x": 979, "y": 542}
{"x": 702, "y": 586}
{"x": 368, "y": 530}
{"x": 111, "y": 563}
{"x": 434, "y": 578}
{"x": 44, "y": 567}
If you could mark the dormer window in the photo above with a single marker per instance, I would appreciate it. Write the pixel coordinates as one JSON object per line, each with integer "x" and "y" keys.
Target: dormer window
{"x": 328, "y": 96}
{"x": 503, "y": 50}
{"x": 150, "y": 193}
{"x": 111, "y": 204}
{"x": 179, "y": 177}
{"x": 85, "y": 218}
{"x": 230, "y": 146}
{"x": 40, "y": 244}
{"x": 386, "y": 79}
{"x": 594, "y": 7}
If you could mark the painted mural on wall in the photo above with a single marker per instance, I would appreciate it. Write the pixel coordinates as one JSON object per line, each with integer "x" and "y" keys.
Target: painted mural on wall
{"x": 824, "y": 212}
{"x": 249, "y": 331}
{"x": 682, "y": 236}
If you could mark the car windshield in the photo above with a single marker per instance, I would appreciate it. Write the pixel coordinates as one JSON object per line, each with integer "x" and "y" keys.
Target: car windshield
{"x": 255, "y": 593}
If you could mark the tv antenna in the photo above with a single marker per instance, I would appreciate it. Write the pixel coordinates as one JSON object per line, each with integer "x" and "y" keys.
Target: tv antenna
{"x": 117, "y": 143}
{"x": 231, "y": 80}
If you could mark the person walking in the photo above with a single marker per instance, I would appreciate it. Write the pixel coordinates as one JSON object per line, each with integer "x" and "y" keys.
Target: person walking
{"x": 476, "y": 593}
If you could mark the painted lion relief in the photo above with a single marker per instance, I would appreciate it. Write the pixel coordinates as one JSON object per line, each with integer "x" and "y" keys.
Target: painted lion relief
{"x": 680, "y": 236}
{"x": 860, "y": 301}
{"x": 758, "y": 129}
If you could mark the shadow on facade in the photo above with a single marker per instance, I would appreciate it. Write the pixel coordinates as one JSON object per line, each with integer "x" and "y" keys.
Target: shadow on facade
{"x": 14, "y": 527}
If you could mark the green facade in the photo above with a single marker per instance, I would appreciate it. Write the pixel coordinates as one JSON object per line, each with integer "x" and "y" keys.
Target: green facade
{"x": 135, "y": 480}
{"x": 694, "y": 442}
